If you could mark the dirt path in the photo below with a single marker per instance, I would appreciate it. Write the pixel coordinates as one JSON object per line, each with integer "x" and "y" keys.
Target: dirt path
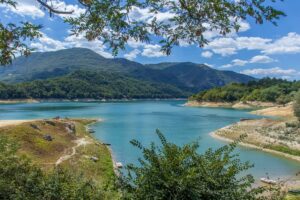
{"x": 79, "y": 142}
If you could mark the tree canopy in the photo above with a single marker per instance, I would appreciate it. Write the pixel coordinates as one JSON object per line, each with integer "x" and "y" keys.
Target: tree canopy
{"x": 111, "y": 21}
{"x": 265, "y": 90}
{"x": 173, "y": 172}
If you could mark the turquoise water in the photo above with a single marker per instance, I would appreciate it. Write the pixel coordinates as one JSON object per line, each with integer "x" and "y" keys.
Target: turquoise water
{"x": 124, "y": 121}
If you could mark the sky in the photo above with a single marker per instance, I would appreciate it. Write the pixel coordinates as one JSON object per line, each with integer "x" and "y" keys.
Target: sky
{"x": 257, "y": 50}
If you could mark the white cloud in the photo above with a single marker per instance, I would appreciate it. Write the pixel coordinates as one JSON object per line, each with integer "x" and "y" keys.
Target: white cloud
{"x": 207, "y": 54}
{"x": 261, "y": 59}
{"x": 25, "y": 8}
{"x": 285, "y": 45}
{"x": 62, "y": 6}
{"x": 151, "y": 50}
{"x": 145, "y": 14}
{"x": 229, "y": 46}
{"x": 132, "y": 54}
{"x": 226, "y": 66}
{"x": 239, "y": 62}
{"x": 30, "y": 8}
{"x": 210, "y": 65}
{"x": 47, "y": 43}
{"x": 148, "y": 50}
{"x": 276, "y": 71}
{"x": 226, "y": 46}
{"x": 255, "y": 59}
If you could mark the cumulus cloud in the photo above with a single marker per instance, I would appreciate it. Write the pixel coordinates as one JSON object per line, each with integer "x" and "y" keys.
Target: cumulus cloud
{"x": 256, "y": 59}
{"x": 285, "y": 45}
{"x": 47, "y": 43}
{"x": 147, "y": 50}
{"x": 30, "y": 8}
{"x": 273, "y": 72}
{"x": 207, "y": 54}
{"x": 132, "y": 54}
{"x": 145, "y": 14}
{"x": 261, "y": 59}
{"x": 229, "y": 46}
{"x": 151, "y": 51}
{"x": 226, "y": 46}
{"x": 25, "y": 8}
{"x": 62, "y": 6}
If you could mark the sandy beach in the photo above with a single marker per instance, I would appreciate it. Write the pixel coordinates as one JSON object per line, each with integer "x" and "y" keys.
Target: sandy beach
{"x": 12, "y": 122}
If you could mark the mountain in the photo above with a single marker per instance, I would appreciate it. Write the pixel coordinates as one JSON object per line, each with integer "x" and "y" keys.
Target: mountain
{"x": 186, "y": 75}
{"x": 89, "y": 84}
{"x": 191, "y": 76}
{"x": 52, "y": 64}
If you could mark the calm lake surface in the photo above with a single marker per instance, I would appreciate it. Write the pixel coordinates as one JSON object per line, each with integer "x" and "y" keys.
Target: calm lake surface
{"x": 124, "y": 121}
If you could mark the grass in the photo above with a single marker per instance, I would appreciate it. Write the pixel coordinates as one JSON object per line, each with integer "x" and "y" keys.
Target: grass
{"x": 284, "y": 149}
{"x": 45, "y": 153}
{"x": 292, "y": 197}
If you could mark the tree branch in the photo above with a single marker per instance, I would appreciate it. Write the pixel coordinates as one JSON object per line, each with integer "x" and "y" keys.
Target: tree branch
{"x": 53, "y": 10}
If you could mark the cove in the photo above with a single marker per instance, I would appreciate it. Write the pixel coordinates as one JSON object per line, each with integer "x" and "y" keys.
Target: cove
{"x": 124, "y": 121}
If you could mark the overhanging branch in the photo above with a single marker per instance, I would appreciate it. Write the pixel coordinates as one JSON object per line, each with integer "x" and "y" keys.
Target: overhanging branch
{"x": 53, "y": 10}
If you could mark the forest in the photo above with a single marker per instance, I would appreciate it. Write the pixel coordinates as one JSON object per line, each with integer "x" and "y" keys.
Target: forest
{"x": 265, "y": 90}
{"x": 94, "y": 85}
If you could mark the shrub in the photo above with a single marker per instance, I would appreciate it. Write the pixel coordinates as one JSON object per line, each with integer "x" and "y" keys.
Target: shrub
{"x": 297, "y": 106}
{"x": 181, "y": 173}
{"x": 21, "y": 180}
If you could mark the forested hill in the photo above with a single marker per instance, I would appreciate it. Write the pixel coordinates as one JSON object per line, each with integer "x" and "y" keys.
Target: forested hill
{"x": 265, "y": 90}
{"x": 86, "y": 84}
{"x": 185, "y": 75}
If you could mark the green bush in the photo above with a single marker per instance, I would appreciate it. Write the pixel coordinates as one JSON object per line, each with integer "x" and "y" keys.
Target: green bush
{"x": 21, "y": 180}
{"x": 297, "y": 106}
{"x": 181, "y": 173}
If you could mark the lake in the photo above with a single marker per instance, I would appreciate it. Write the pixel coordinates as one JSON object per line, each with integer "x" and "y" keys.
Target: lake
{"x": 124, "y": 121}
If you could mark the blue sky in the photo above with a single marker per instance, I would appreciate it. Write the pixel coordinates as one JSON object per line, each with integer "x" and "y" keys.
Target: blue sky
{"x": 257, "y": 50}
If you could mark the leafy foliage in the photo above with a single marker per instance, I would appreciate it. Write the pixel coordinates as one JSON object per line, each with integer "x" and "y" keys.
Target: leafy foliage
{"x": 266, "y": 90}
{"x": 173, "y": 172}
{"x": 21, "y": 180}
{"x": 112, "y": 22}
{"x": 297, "y": 106}
{"x": 86, "y": 84}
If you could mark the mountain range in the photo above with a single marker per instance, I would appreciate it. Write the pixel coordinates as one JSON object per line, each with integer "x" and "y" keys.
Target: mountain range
{"x": 186, "y": 76}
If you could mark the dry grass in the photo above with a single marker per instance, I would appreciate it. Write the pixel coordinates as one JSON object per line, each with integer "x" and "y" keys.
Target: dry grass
{"x": 29, "y": 136}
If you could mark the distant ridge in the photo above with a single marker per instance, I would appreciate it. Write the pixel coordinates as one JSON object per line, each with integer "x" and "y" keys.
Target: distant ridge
{"x": 184, "y": 75}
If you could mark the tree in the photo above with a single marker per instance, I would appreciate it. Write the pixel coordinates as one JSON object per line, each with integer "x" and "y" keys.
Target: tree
{"x": 297, "y": 106}
{"x": 22, "y": 180}
{"x": 112, "y": 22}
{"x": 173, "y": 172}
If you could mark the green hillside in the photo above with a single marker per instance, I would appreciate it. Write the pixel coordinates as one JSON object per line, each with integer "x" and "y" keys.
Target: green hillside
{"x": 188, "y": 76}
{"x": 87, "y": 84}
{"x": 265, "y": 90}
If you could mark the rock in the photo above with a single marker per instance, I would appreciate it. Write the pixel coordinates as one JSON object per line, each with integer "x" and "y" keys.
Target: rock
{"x": 94, "y": 158}
{"x": 50, "y": 122}
{"x": 57, "y": 118}
{"x": 70, "y": 127}
{"x": 48, "y": 138}
{"x": 34, "y": 126}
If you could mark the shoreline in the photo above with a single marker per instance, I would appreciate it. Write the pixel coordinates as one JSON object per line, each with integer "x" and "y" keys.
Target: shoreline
{"x": 16, "y": 101}
{"x": 9, "y": 122}
{"x": 216, "y": 136}
{"x": 235, "y": 105}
